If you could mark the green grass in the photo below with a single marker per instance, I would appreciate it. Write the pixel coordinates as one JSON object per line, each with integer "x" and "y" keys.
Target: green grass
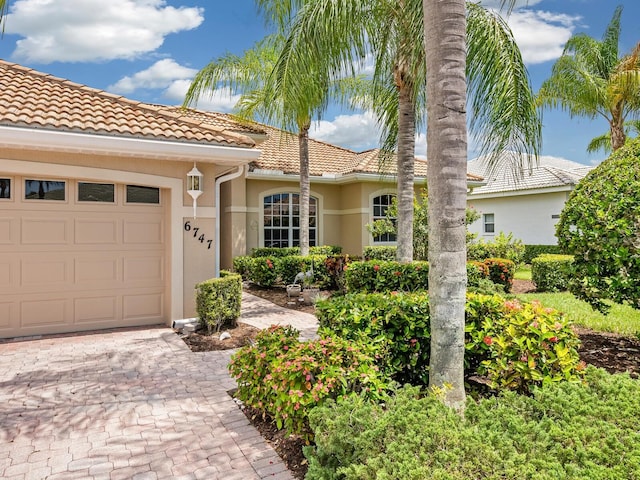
{"x": 523, "y": 272}
{"x": 621, "y": 318}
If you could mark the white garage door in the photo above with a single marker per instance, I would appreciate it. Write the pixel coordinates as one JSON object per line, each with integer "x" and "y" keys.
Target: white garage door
{"x": 78, "y": 255}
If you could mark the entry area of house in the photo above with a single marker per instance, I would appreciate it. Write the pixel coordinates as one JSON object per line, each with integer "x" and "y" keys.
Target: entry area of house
{"x": 81, "y": 255}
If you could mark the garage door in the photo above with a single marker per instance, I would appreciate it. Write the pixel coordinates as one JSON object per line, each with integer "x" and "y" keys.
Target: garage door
{"x": 78, "y": 255}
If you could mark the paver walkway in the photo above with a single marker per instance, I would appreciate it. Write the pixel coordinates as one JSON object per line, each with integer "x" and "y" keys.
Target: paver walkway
{"x": 134, "y": 404}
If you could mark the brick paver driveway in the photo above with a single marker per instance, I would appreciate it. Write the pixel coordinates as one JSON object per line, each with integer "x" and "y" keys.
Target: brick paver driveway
{"x": 124, "y": 404}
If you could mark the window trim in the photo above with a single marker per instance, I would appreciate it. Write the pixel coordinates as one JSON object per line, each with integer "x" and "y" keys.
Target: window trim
{"x": 126, "y": 194}
{"x": 12, "y": 189}
{"x": 485, "y": 223}
{"x": 112, "y": 202}
{"x": 275, "y": 191}
{"x": 372, "y": 218}
{"x": 47, "y": 200}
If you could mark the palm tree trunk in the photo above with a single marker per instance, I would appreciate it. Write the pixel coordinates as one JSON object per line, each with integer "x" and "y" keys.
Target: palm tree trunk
{"x": 446, "y": 180}
{"x": 406, "y": 161}
{"x": 618, "y": 136}
{"x": 303, "y": 141}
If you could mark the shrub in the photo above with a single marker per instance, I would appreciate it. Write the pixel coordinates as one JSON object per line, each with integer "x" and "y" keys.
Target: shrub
{"x": 533, "y": 251}
{"x": 288, "y": 251}
{"x": 263, "y": 271}
{"x": 599, "y": 225}
{"x": 218, "y": 301}
{"x": 500, "y": 334}
{"x": 551, "y": 273}
{"x": 325, "y": 250}
{"x": 286, "y": 378}
{"x": 336, "y": 266}
{"x": 386, "y": 276}
{"x": 520, "y": 345}
{"x": 476, "y": 272}
{"x": 501, "y": 272}
{"x": 380, "y": 252}
{"x": 398, "y": 323}
{"x": 242, "y": 266}
{"x": 563, "y": 431}
{"x": 502, "y": 246}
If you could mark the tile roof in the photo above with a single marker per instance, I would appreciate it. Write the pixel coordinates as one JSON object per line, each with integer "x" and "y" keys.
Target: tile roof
{"x": 280, "y": 152}
{"x": 29, "y": 98}
{"x": 550, "y": 172}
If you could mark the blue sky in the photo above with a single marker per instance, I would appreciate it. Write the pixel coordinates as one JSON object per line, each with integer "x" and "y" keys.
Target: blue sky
{"x": 149, "y": 50}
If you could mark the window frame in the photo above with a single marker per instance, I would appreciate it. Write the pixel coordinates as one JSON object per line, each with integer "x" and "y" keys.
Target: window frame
{"x": 149, "y": 187}
{"x": 11, "y": 187}
{"x": 391, "y": 239}
{"x": 486, "y": 223}
{"x": 292, "y": 226}
{"x": 110, "y": 202}
{"x": 65, "y": 190}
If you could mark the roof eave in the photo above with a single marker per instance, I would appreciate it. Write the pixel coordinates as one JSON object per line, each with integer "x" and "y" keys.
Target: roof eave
{"x": 55, "y": 140}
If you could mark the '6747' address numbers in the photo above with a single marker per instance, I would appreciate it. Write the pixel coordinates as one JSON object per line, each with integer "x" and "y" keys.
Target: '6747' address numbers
{"x": 201, "y": 238}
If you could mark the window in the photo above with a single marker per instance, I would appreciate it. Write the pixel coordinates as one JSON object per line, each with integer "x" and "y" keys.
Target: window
{"x": 5, "y": 188}
{"x": 488, "y": 223}
{"x": 96, "y": 192}
{"x": 44, "y": 190}
{"x": 139, "y": 194}
{"x": 282, "y": 220}
{"x": 381, "y": 204}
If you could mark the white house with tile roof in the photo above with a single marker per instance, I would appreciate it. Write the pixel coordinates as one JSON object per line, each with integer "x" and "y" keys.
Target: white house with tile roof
{"x": 526, "y": 205}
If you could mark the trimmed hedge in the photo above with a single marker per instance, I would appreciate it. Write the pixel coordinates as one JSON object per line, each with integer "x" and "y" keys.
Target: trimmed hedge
{"x": 218, "y": 301}
{"x": 288, "y": 251}
{"x": 502, "y": 246}
{"x": 552, "y": 273}
{"x": 533, "y": 251}
{"x": 380, "y": 252}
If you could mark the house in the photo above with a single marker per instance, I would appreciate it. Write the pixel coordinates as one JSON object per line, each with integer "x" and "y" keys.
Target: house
{"x": 98, "y": 227}
{"x": 526, "y": 205}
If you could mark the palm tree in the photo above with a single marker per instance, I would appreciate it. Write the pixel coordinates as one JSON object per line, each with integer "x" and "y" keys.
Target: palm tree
{"x": 591, "y": 80}
{"x": 603, "y": 142}
{"x": 342, "y": 34}
{"x": 291, "y": 109}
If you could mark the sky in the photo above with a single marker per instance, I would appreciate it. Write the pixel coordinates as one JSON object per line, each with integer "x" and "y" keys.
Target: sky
{"x": 149, "y": 50}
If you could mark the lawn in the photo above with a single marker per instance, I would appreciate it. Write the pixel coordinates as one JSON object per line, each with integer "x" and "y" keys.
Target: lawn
{"x": 621, "y": 318}
{"x": 523, "y": 272}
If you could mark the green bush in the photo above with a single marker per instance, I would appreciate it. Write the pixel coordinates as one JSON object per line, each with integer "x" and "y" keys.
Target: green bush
{"x": 515, "y": 345}
{"x": 218, "y": 301}
{"x": 502, "y": 246}
{"x": 288, "y": 251}
{"x": 242, "y": 266}
{"x": 263, "y": 271}
{"x": 476, "y": 272}
{"x": 380, "y": 252}
{"x": 501, "y": 272}
{"x": 533, "y": 251}
{"x": 386, "y": 276}
{"x": 398, "y": 323}
{"x": 599, "y": 225}
{"x": 552, "y": 273}
{"x": 336, "y": 266}
{"x": 286, "y": 378}
{"x": 564, "y": 431}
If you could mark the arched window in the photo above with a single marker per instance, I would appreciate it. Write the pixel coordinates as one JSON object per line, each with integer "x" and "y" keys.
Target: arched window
{"x": 381, "y": 204}
{"x": 282, "y": 220}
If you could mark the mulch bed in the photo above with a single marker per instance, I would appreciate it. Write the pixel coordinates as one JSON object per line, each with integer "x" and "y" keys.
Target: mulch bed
{"x": 614, "y": 353}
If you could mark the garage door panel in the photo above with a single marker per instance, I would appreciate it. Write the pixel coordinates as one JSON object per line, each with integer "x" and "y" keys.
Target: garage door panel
{"x": 53, "y": 273}
{"x": 97, "y": 309}
{"x": 7, "y": 314}
{"x": 39, "y": 313}
{"x": 102, "y": 270}
{"x": 96, "y": 231}
{"x": 144, "y": 269}
{"x": 9, "y": 267}
{"x": 7, "y": 230}
{"x": 44, "y": 231}
{"x": 135, "y": 307}
{"x": 144, "y": 231}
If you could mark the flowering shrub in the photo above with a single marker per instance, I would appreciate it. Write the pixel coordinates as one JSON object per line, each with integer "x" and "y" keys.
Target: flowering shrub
{"x": 262, "y": 271}
{"x": 519, "y": 345}
{"x": 399, "y": 323}
{"x": 501, "y": 271}
{"x": 336, "y": 267}
{"x": 286, "y": 378}
{"x": 242, "y": 266}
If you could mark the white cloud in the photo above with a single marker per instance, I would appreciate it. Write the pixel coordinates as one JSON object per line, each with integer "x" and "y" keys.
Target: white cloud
{"x": 161, "y": 74}
{"x": 358, "y": 131}
{"x": 541, "y": 35}
{"x": 221, "y": 101}
{"x": 94, "y": 30}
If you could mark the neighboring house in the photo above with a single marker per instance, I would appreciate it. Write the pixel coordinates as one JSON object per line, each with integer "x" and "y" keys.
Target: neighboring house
{"x": 94, "y": 206}
{"x": 97, "y": 229}
{"x": 529, "y": 205}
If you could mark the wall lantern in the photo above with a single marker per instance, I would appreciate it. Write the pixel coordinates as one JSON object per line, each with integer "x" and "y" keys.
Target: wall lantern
{"x": 194, "y": 186}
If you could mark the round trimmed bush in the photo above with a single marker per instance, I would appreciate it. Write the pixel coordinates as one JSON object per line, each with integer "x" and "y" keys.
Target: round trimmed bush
{"x": 600, "y": 226}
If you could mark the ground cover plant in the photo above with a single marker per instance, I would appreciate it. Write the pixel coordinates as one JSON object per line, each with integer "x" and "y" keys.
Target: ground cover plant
{"x": 576, "y": 431}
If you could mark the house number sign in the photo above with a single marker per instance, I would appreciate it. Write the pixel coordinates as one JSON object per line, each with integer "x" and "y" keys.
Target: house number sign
{"x": 201, "y": 238}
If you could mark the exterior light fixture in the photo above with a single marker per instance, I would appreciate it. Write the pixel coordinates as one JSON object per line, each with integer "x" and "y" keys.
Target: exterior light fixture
{"x": 194, "y": 186}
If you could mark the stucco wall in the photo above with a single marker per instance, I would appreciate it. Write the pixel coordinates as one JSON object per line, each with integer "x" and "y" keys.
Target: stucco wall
{"x": 528, "y": 217}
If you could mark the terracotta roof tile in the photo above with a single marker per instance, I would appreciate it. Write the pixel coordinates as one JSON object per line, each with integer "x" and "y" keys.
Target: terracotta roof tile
{"x": 34, "y": 99}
